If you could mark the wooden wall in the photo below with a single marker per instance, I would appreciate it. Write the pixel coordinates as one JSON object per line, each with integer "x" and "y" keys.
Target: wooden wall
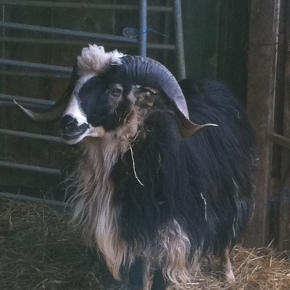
{"x": 216, "y": 41}
{"x": 268, "y": 106}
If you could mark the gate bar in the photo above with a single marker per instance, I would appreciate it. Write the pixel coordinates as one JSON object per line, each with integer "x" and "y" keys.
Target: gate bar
{"x": 67, "y": 32}
{"x": 30, "y": 167}
{"x": 179, "y": 39}
{"x": 50, "y": 4}
{"x": 30, "y": 135}
{"x": 43, "y": 75}
{"x": 26, "y": 100}
{"x": 33, "y": 65}
{"x": 30, "y": 40}
{"x": 143, "y": 28}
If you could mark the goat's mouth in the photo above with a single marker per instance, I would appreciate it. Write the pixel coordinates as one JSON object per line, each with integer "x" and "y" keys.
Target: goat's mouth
{"x": 73, "y": 139}
{"x": 75, "y": 135}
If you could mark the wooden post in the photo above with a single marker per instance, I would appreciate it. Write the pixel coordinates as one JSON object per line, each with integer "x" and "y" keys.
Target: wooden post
{"x": 262, "y": 64}
{"x": 284, "y": 222}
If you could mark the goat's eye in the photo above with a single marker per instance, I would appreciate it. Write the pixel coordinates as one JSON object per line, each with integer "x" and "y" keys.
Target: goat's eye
{"x": 116, "y": 92}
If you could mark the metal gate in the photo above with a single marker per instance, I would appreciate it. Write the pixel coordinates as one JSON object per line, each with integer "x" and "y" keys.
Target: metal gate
{"x": 39, "y": 43}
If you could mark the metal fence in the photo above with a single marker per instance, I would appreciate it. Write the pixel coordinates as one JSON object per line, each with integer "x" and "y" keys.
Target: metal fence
{"x": 30, "y": 69}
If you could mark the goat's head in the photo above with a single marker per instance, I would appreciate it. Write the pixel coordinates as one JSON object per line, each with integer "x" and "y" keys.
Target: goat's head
{"x": 102, "y": 90}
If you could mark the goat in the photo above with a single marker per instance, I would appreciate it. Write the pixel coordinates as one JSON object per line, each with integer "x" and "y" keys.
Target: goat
{"x": 166, "y": 169}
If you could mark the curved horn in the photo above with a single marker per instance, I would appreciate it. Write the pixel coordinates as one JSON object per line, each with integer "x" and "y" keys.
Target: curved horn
{"x": 148, "y": 72}
{"x": 55, "y": 112}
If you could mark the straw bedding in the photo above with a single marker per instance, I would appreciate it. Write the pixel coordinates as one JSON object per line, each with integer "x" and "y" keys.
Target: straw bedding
{"x": 40, "y": 250}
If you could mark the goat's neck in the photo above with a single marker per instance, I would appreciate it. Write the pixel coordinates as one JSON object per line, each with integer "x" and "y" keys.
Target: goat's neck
{"x": 95, "y": 209}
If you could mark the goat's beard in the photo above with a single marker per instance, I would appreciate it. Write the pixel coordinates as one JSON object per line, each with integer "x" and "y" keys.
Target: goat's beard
{"x": 96, "y": 212}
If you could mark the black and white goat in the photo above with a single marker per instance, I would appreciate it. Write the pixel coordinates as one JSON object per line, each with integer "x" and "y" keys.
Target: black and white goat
{"x": 150, "y": 195}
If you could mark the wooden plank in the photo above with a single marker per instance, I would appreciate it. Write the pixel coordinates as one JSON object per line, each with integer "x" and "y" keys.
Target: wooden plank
{"x": 286, "y": 125}
{"x": 232, "y": 46}
{"x": 262, "y": 63}
{"x": 280, "y": 140}
{"x": 201, "y": 28}
{"x": 284, "y": 223}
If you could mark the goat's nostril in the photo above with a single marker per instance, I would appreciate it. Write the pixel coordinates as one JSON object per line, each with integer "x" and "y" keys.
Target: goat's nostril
{"x": 71, "y": 129}
{"x": 68, "y": 124}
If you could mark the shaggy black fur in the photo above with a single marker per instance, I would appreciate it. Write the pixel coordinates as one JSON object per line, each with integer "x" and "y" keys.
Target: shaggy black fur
{"x": 179, "y": 175}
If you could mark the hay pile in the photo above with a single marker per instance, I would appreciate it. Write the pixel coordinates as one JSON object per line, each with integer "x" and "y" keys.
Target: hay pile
{"x": 38, "y": 250}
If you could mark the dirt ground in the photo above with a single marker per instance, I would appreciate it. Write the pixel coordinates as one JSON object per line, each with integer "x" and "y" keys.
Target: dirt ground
{"x": 40, "y": 250}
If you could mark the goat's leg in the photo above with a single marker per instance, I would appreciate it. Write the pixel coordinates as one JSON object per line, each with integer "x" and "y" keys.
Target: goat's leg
{"x": 136, "y": 275}
{"x": 226, "y": 262}
{"x": 158, "y": 281}
{"x": 139, "y": 275}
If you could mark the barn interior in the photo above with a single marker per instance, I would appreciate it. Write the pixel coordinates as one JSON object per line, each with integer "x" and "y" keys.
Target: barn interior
{"x": 245, "y": 44}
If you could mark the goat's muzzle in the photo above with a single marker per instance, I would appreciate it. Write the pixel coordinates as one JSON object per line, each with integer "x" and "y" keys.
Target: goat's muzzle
{"x": 71, "y": 131}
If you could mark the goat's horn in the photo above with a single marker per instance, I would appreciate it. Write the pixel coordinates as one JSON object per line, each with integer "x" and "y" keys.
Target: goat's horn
{"x": 55, "y": 112}
{"x": 52, "y": 114}
{"x": 148, "y": 72}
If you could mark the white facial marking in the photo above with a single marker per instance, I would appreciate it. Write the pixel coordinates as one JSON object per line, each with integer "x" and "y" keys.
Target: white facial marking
{"x": 83, "y": 79}
{"x": 73, "y": 109}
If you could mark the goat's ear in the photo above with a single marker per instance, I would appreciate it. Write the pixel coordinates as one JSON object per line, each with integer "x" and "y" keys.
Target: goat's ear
{"x": 55, "y": 112}
{"x": 187, "y": 128}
